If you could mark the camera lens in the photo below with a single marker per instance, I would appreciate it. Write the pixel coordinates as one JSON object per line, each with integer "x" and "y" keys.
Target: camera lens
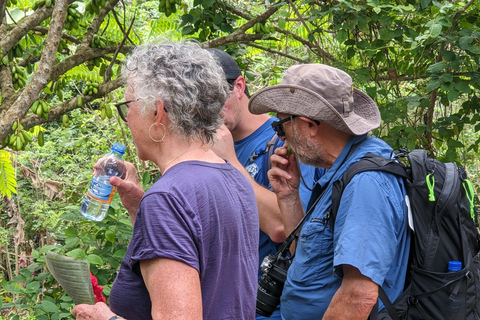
{"x": 268, "y": 295}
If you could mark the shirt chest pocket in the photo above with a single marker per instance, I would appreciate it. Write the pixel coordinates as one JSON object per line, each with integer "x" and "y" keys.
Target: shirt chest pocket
{"x": 314, "y": 253}
{"x": 315, "y": 241}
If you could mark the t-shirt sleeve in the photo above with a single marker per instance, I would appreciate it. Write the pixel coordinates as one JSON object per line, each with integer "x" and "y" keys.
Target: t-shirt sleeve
{"x": 368, "y": 224}
{"x": 164, "y": 228}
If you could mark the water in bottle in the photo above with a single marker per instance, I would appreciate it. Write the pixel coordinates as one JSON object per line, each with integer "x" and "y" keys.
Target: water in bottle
{"x": 100, "y": 194}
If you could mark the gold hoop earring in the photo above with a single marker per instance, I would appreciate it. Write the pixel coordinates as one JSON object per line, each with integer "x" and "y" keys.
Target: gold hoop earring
{"x": 164, "y": 132}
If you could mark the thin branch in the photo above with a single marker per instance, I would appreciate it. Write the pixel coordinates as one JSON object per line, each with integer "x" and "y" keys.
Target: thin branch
{"x": 280, "y": 53}
{"x": 109, "y": 68}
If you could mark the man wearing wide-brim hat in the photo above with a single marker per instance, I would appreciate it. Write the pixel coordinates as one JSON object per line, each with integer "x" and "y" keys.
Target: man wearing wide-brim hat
{"x": 336, "y": 271}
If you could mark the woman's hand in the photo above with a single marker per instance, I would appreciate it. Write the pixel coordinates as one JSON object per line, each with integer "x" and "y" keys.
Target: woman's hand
{"x": 129, "y": 189}
{"x": 98, "y": 311}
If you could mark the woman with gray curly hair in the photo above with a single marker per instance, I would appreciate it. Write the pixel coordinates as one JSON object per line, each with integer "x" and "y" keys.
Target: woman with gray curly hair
{"x": 193, "y": 253}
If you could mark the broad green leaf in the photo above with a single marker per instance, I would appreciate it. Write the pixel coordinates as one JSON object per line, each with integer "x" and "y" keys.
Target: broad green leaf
{"x": 464, "y": 42}
{"x": 448, "y": 55}
{"x": 73, "y": 275}
{"x": 120, "y": 253}
{"x": 282, "y": 23}
{"x": 455, "y": 143}
{"x": 474, "y": 49}
{"x": 453, "y": 95}
{"x": 424, "y": 4}
{"x": 342, "y": 35}
{"x": 463, "y": 86}
{"x": 146, "y": 178}
{"x": 433, "y": 84}
{"x": 49, "y": 307}
{"x": 110, "y": 235}
{"x": 76, "y": 253}
{"x": 33, "y": 286}
{"x": 47, "y": 248}
{"x": 435, "y": 30}
{"x": 437, "y": 67}
{"x": 447, "y": 77}
{"x": 411, "y": 144}
{"x": 94, "y": 259}
{"x": 207, "y": 3}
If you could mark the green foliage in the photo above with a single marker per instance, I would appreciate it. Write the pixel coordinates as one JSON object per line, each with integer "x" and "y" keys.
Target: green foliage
{"x": 417, "y": 59}
{"x": 8, "y": 183}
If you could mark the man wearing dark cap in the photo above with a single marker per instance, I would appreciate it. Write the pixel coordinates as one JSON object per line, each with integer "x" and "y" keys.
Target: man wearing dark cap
{"x": 337, "y": 268}
{"x": 253, "y": 142}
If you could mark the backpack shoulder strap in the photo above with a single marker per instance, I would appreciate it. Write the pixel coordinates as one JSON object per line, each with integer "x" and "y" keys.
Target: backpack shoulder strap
{"x": 369, "y": 162}
{"x": 270, "y": 148}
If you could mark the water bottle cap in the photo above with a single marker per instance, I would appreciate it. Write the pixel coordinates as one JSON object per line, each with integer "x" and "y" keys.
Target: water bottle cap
{"x": 454, "y": 265}
{"x": 118, "y": 147}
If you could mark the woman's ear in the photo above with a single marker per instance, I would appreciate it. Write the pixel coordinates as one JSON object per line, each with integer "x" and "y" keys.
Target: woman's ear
{"x": 160, "y": 110}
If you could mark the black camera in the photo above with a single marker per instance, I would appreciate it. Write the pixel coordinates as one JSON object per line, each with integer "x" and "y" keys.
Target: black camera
{"x": 270, "y": 285}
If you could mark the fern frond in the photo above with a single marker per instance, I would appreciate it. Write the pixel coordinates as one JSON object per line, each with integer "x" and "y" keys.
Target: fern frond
{"x": 8, "y": 183}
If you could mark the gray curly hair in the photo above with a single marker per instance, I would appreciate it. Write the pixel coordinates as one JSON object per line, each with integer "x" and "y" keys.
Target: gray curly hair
{"x": 186, "y": 78}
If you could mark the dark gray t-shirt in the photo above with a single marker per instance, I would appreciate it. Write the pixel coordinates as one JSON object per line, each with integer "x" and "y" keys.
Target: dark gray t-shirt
{"x": 204, "y": 215}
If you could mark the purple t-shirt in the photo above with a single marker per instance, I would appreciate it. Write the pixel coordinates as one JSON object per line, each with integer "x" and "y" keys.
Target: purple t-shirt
{"x": 204, "y": 215}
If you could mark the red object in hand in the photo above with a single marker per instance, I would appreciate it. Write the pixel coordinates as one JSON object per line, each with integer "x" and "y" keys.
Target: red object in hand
{"x": 97, "y": 290}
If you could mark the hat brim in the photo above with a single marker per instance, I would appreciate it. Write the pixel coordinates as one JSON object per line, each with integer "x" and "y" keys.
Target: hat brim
{"x": 300, "y": 101}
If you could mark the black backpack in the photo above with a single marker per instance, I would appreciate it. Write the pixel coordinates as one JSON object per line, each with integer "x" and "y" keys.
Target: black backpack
{"x": 445, "y": 229}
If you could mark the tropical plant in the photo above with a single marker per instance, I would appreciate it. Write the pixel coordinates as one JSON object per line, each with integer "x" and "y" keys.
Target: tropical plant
{"x": 59, "y": 75}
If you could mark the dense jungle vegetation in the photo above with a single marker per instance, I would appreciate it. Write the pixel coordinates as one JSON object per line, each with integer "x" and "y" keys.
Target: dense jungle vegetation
{"x": 59, "y": 79}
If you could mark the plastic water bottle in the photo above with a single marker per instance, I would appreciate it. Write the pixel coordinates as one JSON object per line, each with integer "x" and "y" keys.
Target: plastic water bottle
{"x": 100, "y": 194}
{"x": 454, "y": 266}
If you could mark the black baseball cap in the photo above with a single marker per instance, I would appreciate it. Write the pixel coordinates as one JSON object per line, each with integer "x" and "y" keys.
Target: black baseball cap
{"x": 230, "y": 67}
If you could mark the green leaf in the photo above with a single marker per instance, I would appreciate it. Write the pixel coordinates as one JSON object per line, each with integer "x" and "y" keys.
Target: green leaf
{"x": 464, "y": 42}
{"x": 49, "y": 306}
{"x": 447, "y": 77}
{"x": 448, "y": 55}
{"x": 8, "y": 182}
{"x": 282, "y": 23}
{"x": 474, "y": 49}
{"x": 94, "y": 259}
{"x": 146, "y": 178}
{"x": 47, "y": 248}
{"x": 410, "y": 144}
{"x": 433, "y": 84}
{"x": 207, "y": 3}
{"x": 453, "y": 95}
{"x": 71, "y": 232}
{"x": 110, "y": 235}
{"x": 76, "y": 253}
{"x": 435, "y": 30}
{"x": 120, "y": 253}
{"x": 437, "y": 67}
{"x": 73, "y": 275}
{"x": 33, "y": 286}
{"x": 342, "y": 35}
{"x": 424, "y": 4}
{"x": 463, "y": 86}
{"x": 187, "y": 30}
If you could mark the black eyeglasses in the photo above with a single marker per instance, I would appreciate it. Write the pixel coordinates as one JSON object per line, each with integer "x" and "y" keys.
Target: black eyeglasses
{"x": 278, "y": 128}
{"x": 122, "y": 108}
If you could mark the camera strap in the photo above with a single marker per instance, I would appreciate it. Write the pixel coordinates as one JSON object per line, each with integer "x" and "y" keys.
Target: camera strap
{"x": 317, "y": 194}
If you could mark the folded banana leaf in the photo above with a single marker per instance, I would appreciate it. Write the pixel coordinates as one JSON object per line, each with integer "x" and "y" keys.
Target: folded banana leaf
{"x": 73, "y": 275}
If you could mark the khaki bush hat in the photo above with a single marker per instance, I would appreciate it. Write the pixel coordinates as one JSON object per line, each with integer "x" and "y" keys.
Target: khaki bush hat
{"x": 319, "y": 92}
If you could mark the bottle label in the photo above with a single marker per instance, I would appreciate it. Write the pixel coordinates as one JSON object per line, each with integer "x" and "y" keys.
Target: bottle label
{"x": 101, "y": 192}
